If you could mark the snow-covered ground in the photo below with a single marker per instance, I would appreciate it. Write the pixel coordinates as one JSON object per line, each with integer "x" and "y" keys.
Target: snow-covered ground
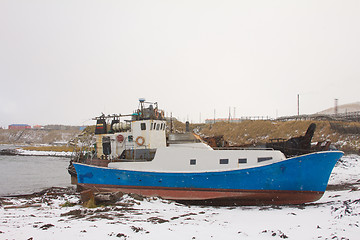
{"x": 51, "y": 216}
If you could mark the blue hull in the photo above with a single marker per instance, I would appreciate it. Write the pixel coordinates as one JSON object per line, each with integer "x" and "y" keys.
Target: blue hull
{"x": 302, "y": 175}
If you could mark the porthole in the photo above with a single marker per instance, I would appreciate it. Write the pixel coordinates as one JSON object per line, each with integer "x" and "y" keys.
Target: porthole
{"x": 224, "y": 161}
{"x": 263, "y": 159}
{"x": 242, "y": 160}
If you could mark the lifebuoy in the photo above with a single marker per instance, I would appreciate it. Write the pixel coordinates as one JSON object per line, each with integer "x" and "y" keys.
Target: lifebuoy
{"x": 120, "y": 138}
{"x": 140, "y": 140}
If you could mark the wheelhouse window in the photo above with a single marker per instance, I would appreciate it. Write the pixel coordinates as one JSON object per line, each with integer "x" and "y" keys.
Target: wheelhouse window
{"x": 263, "y": 159}
{"x": 143, "y": 126}
{"x": 224, "y": 161}
{"x": 151, "y": 126}
{"x": 192, "y": 161}
{"x": 154, "y": 126}
{"x": 242, "y": 160}
{"x": 158, "y": 126}
{"x": 130, "y": 138}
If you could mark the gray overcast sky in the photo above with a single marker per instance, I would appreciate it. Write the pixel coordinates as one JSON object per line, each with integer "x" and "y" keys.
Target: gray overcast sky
{"x": 66, "y": 61}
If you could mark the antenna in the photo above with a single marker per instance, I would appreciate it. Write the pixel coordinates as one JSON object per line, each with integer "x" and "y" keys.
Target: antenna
{"x": 171, "y": 123}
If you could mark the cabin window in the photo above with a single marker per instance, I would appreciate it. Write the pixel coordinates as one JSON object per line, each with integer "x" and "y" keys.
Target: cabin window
{"x": 158, "y": 126}
{"x": 192, "y": 161}
{"x": 130, "y": 138}
{"x": 224, "y": 161}
{"x": 242, "y": 160}
{"x": 143, "y": 126}
{"x": 263, "y": 159}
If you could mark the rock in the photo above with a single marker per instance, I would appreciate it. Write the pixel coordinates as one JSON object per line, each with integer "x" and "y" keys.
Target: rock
{"x": 86, "y": 195}
{"x": 107, "y": 197}
{"x": 9, "y": 152}
{"x": 137, "y": 196}
{"x": 138, "y": 229}
{"x": 121, "y": 235}
{"x": 156, "y": 220}
{"x": 75, "y": 214}
{"x": 46, "y": 226}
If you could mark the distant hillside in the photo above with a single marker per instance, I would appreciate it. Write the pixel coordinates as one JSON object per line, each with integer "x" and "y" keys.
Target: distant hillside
{"x": 344, "y": 135}
{"x": 346, "y": 108}
{"x": 36, "y": 136}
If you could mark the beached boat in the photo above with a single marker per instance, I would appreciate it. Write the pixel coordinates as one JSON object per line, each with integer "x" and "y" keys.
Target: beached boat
{"x": 143, "y": 156}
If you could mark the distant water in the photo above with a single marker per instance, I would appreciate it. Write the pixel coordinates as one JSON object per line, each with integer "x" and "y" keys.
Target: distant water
{"x": 29, "y": 174}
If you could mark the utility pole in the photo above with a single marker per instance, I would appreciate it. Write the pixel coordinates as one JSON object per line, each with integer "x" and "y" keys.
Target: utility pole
{"x": 336, "y": 106}
{"x": 298, "y": 104}
{"x": 214, "y": 115}
{"x": 229, "y": 114}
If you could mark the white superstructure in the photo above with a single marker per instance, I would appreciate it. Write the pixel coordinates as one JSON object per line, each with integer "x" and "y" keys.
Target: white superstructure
{"x": 142, "y": 143}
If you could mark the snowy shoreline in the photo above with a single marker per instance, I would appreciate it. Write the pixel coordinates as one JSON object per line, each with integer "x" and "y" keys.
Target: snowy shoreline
{"x": 57, "y": 213}
{"x": 22, "y": 152}
{"x": 43, "y": 153}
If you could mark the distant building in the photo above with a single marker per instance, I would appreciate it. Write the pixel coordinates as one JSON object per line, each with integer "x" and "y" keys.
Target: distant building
{"x": 38, "y": 127}
{"x": 19, "y": 126}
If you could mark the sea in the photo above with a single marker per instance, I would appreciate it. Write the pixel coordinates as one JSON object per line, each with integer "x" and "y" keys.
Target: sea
{"x": 29, "y": 174}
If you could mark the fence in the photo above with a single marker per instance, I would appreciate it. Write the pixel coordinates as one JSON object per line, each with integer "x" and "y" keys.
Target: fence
{"x": 350, "y": 117}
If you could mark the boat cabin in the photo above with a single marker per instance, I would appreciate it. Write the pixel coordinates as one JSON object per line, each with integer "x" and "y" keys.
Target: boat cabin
{"x": 135, "y": 139}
